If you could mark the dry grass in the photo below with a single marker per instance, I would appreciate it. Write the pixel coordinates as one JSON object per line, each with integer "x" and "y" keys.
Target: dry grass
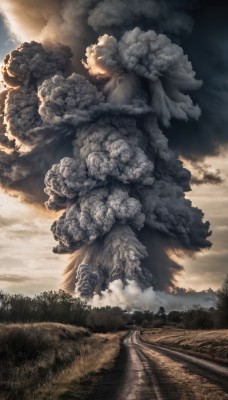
{"x": 76, "y": 381}
{"x": 190, "y": 385}
{"x": 47, "y": 360}
{"x": 211, "y": 344}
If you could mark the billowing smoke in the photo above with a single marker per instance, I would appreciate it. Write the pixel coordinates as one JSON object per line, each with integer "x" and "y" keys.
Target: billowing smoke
{"x": 32, "y": 152}
{"x": 92, "y": 136}
{"x": 130, "y": 296}
{"x": 86, "y": 280}
{"x": 75, "y": 23}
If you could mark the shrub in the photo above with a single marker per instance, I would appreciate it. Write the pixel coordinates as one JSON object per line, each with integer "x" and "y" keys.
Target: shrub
{"x": 105, "y": 319}
{"x": 146, "y": 324}
{"x": 198, "y": 318}
{"x": 158, "y": 323}
{"x": 21, "y": 345}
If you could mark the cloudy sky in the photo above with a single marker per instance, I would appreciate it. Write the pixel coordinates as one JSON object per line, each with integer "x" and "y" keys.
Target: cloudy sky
{"x": 28, "y": 265}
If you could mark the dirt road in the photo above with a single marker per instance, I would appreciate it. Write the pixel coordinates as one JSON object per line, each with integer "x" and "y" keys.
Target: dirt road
{"x": 147, "y": 372}
{"x": 141, "y": 382}
{"x": 153, "y": 372}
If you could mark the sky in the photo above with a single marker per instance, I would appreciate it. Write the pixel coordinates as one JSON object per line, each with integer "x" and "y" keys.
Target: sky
{"x": 28, "y": 265}
{"x": 7, "y": 42}
{"x": 209, "y": 268}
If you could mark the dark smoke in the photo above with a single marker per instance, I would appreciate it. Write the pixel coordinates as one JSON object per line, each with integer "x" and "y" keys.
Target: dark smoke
{"x": 29, "y": 152}
{"x": 96, "y": 140}
{"x": 207, "y": 48}
{"x": 203, "y": 174}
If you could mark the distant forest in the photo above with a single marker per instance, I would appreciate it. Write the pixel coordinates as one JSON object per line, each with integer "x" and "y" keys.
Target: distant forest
{"x": 62, "y": 307}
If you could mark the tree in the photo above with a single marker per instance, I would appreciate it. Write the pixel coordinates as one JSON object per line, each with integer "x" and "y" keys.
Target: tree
{"x": 105, "y": 319}
{"x": 79, "y": 312}
{"x": 54, "y": 306}
{"x": 16, "y": 308}
{"x": 175, "y": 317}
{"x": 137, "y": 317}
{"x": 161, "y": 314}
{"x": 4, "y": 306}
{"x": 198, "y": 318}
{"x": 148, "y": 316}
{"x": 222, "y": 304}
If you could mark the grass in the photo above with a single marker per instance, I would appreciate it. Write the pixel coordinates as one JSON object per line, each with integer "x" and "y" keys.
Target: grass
{"x": 78, "y": 380}
{"x": 189, "y": 385}
{"x": 52, "y": 361}
{"x": 211, "y": 344}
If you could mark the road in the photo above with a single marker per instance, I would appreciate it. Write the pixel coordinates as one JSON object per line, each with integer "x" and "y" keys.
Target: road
{"x": 146, "y": 372}
{"x": 155, "y": 373}
{"x": 140, "y": 382}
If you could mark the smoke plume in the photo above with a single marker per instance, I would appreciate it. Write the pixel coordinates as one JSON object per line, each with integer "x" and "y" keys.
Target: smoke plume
{"x": 91, "y": 134}
{"x": 131, "y": 297}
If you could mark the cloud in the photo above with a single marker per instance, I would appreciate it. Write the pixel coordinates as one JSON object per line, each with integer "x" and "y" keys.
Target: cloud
{"x": 6, "y": 222}
{"x": 203, "y": 173}
{"x": 14, "y": 278}
{"x": 206, "y": 46}
{"x": 97, "y": 141}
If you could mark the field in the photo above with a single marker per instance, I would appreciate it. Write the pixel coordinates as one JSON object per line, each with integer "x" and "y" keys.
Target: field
{"x": 52, "y": 361}
{"x": 210, "y": 344}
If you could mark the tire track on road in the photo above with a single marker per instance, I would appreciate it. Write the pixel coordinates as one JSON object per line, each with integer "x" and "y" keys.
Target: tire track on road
{"x": 148, "y": 378}
{"x": 141, "y": 380}
{"x": 210, "y": 370}
{"x": 143, "y": 371}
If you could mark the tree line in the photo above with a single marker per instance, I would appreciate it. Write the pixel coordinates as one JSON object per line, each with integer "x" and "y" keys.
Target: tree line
{"x": 60, "y": 306}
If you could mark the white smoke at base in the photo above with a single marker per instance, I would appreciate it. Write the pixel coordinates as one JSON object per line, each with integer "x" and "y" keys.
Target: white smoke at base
{"x": 131, "y": 296}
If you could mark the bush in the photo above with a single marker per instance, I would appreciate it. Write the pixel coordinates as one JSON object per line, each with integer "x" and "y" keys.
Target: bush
{"x": 21, "y": 345}
{"x": 49, "y": 306}
{"x": 105, "y": 319}
{"x": 198, "y": 318}
{"x": 158, "y": 323}
{"x": 146, "y": 324}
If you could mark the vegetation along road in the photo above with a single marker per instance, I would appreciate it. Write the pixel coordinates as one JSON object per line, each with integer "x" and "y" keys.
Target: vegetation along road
{"x": 155, "y": 372}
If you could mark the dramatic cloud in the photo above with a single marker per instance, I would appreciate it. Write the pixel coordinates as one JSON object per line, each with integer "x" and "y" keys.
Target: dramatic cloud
{"x": 61, "y": 96}
{"x": 149, "y": 56}
{"x": 86, "y": 281}
{"x": 204, "y": 174}
{"x": 199, "y": 26}
{"x": 78, "y": 23}
{"x": 93, "y": 136}
{"x": 206, "y": 46}
{"x": 93, "y": 215}
{"x": 31, "y": 61}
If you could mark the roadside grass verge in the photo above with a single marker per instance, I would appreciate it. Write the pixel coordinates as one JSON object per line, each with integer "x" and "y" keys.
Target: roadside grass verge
{"x": 51, "y": 360}
{"x": 78, "y": 380}
{"x": 210, "y": 344}
{"x": 189, "y": 385}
